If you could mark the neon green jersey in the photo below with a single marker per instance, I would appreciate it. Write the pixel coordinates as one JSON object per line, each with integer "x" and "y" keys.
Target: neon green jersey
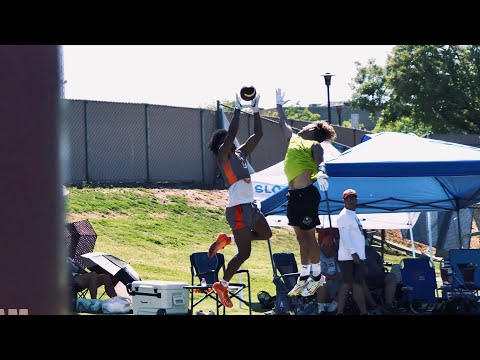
{"x": 299, "y": 158}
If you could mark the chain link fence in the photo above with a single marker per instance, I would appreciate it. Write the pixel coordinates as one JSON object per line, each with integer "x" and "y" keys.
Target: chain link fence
{"x": 108, "y": 142}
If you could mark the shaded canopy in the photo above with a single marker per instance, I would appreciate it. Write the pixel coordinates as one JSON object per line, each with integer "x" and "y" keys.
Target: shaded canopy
{"x": 395, "y": 172}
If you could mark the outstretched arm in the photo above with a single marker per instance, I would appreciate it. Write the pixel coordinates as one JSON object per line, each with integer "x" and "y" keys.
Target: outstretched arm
{"x": 317, "y": 152}
{"x": 322, "y": 177}
{"x": 253, "y": 140}
{"x": 225, "y": 148}
{"x": 286, "y": 129}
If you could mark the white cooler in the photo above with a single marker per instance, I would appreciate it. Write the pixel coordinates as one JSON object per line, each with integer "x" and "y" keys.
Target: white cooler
{"x": 155, "y": 297}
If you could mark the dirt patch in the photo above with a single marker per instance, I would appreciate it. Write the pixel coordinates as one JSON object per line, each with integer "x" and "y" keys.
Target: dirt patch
{"x": 215, "y": 198}
{"x": 475, "y": 240}
{"x": 211, "y": 199}
{"x": 395, "y": 236}
{"x": 93, "y": 216}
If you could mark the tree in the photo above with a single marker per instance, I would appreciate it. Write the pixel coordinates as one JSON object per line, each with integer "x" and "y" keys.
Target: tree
{"x": 403, "y": 125}
{"x": 370, "y": 93}
{"x": 296, "y": 113}
{"x": 230, "y": 105}
{"x": 435, "y": 87}
{"x": 348, "y": 124}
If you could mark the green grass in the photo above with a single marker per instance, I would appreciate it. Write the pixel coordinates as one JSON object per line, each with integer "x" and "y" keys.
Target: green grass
{"x": 157, "y": 238}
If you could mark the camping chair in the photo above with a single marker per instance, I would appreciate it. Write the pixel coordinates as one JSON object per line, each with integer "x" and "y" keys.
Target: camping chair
{"x": 203, "y": 267}
{"x": 80, "y": 239}
{"x": 72, "y": 267}
{"x": 286, "y": 265}
{"x": 465, "y": 265}
{"x": 420, "y": 283}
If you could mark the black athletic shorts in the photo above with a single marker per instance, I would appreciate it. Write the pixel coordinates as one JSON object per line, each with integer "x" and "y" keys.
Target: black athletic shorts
{"x": 302, "y": 208}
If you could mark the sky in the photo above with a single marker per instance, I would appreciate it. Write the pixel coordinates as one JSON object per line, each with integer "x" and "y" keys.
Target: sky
{"x": 199, "y": 75}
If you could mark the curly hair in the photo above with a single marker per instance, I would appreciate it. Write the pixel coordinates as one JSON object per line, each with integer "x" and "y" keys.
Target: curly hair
{"x": 216, "y": 140}
{"x": 324, "y": 131}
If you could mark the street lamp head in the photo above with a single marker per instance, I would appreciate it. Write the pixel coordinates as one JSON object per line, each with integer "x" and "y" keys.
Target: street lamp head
{"x": 328, "y": 78}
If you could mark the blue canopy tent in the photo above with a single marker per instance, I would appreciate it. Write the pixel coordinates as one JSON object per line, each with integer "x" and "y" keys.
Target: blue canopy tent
{"x": 395, "y": 172}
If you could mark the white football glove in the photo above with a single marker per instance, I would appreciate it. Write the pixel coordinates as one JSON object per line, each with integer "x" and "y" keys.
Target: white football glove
{"x": 238, "y": 103}
{"x": 255, "y": 104}
{"x": 322, "y": 179}
{"x": 280, "y": 97}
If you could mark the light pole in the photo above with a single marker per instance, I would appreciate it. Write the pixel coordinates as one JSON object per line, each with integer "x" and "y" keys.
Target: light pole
{"x": 328, "y": 80}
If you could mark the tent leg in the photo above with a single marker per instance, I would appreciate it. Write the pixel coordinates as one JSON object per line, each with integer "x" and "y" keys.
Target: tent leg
{"x": 329, "y": 217}
{"x": 430, "y": 242}
{"x": 413, "y": 242}
{"x": 383, "y": 244}
{"x": 459, "y": 230}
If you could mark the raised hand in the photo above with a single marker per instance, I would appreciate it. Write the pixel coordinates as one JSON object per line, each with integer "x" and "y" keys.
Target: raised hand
{"x": 238, "y": 103}
{"x": 280, "y": 97}
{"x": 255, "y": 103}
{"x": 322, "y": 180}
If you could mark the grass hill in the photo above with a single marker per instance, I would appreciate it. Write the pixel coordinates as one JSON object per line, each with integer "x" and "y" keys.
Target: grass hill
{"x": 156, "y": 229}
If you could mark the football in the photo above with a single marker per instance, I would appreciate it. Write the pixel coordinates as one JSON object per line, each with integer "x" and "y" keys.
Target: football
{"x": 248, "y": 93}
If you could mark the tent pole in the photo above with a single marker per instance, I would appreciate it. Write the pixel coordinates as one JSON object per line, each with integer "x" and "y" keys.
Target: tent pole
{"x": 383, "y": 244}
{"x": 413, "y": 242}
{"x": 329, "y": 218}
{"x": 430, "y": 242}
{"x": 459, "y": 229}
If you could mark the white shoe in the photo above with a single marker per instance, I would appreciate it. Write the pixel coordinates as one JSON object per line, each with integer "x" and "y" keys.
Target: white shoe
{"x": 311, "y": 286}
{"x": 298, "y": 288}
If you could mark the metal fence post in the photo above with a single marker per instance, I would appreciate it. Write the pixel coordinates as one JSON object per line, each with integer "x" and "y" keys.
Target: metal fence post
{"x": 85, "y": 111}
{"x": 147, "y": 138}
{"x": 202, "y": 134}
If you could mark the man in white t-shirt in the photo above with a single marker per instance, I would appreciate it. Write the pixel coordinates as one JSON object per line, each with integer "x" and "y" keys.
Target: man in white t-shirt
{"x": 351, "y": 253}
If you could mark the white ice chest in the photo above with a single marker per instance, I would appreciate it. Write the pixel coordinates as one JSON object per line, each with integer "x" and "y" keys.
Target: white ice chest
{"x": 156, "y": 297}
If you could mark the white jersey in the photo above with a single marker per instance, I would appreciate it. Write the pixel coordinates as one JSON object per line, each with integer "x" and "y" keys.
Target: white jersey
{"x": 240, "y": 192}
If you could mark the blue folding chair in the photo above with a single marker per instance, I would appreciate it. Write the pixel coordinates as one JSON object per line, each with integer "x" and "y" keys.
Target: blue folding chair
{"x": 419, "y": 283}
{"x": 203, "y": 267}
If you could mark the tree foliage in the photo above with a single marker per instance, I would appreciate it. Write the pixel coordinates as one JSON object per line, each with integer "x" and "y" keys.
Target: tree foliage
{"x": 429, "y": 87}
{"x": 296, "y": 113}
{"x": 370, "y": 93}
{"x": 348, "y": 124}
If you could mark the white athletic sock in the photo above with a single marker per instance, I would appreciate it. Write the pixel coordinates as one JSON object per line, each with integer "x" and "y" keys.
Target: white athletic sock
{"x": 315, "y": 269}
{"x": 305, "y": 270}
{"x": 224, "y": 283}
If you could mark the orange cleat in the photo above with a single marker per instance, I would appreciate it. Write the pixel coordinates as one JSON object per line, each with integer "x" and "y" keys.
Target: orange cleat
{"x": 222, "y": 241}
{"x": 222, "y": 293}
